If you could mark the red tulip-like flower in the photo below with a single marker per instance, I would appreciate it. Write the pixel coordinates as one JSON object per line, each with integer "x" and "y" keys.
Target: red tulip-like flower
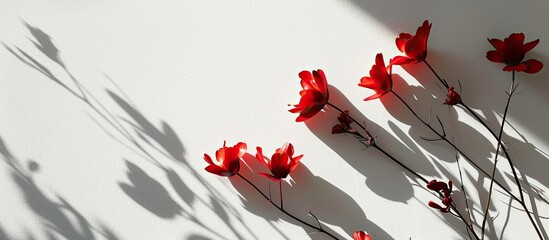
{"x": 281, "y": 163}
{"x": 360, "y": 235}
{"x": 227, "y": 162}
{"x": 379, "y": 80}
{"x": 453, "y": 97}
{"x": 511, "y": 51}
{"x": 313, "y": 96}
{"x": 413, "y": 47}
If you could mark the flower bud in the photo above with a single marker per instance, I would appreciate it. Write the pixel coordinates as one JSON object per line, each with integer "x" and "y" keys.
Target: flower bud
{"x": 453, "y": 97}
{"x": 338, "y": 129}
{"x": 434, "y": 205}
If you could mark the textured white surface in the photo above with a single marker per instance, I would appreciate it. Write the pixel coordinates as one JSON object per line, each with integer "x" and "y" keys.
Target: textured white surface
{"x": 190, "y": 74}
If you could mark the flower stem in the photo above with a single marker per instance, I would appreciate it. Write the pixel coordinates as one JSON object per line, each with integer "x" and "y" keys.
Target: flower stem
{"x": 352, "y": 119}
{"x": 499, "y": 145}
{"x": 442, "y": 81}
{"x": 281, "y": 201}
{"x": 423, "y": 179}
{"x": 460, "y": 172}
{"x": 445, "y": 139}
{"x": 319, "y": 229}
{"x": 522, "y": 202}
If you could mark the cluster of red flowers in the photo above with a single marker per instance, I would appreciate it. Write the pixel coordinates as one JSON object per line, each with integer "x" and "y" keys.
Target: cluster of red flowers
{"x": 315, "y": 96}
{"x": 228, "y": 159}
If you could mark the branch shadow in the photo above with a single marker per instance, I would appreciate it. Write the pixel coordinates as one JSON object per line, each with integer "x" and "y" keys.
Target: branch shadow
{"x": 56, "y": 214}
{"x": 368, "y": 161}
{"x": 135, "y": 132}
{"x": 333, "y": 207}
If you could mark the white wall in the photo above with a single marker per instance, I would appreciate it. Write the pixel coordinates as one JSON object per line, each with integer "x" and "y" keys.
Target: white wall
{"x": 177, "y": 78}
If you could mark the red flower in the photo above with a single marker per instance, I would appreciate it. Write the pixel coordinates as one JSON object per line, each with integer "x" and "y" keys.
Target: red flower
{"x": 313, "y": 96}
{"x": 414, "y": 47}
{"x": 281, "y": 163}
{"x": 511, "y": 51}
{"x": 379, "y": 80}
{"x": 453, "y": 97}
{"x": 228, "y": 160}
{"x": 360, "y": 235}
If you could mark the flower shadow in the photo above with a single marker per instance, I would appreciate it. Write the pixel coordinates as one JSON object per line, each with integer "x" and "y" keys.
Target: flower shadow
{"x": 369, "y": 161}
{"x": 58, "y": 217}
{"x": 307, "y": 193}
{"x": 134, "y": 131}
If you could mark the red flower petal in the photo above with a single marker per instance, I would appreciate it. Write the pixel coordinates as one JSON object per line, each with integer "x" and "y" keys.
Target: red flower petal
{"x": 296, "y": 109}
{"x": 242, "y": 147}
{"x": 518, "y": 68}
{"x": 280, "y": 164}
{"x": 218, "y": 171}
{"x": 529, "y": 46}
{"x": 301, "y": 119}
{"x": 497, "y": 44}
{"x": 295, "y": 162}
{"x": 400, "y": 60}
{"x": 375, "y": 96}
{"x": 494, "y": 56}
{"x": 532, "y": 66}
{"x": 426, "y": 27}
{"x": 434, "y": 205}
{"x": 306, "y": 79}
{"x": 220, "y": 153}
{"x": 320, "y": 80}
{"x": 208, "y": 159}
{"x": 401, "y": 41}
{"x": 271, "y": 177}
{"x": 259, "y": 156}
{"x": 288, "y": 148}
{"x": 414, "y": 48}
{"x": 516, "y": 38}
{"x": 360, "y": 235}
{"x": 367, "y": 82}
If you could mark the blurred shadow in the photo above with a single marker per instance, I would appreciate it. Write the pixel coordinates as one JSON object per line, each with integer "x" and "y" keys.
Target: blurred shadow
{"x": 136, "y": 133}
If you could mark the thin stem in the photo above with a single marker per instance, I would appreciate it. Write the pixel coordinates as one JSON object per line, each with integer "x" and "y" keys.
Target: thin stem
{"x": 319, "y": 229}
{"x": 522, "y": 202}
{"x": 442, "y": 81}
{"x": 499, "y": 145}
{"x": 445, "y": 139}
{"x": 281, "y": 201}
{"x": 400, "y": 163}
{"x": 459, "y": 170}
{"x": 352, "y": 119}
{"x": 423, "y": 179}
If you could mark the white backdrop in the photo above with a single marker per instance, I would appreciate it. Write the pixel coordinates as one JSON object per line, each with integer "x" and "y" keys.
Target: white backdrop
{"x": 167, "y": 81}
